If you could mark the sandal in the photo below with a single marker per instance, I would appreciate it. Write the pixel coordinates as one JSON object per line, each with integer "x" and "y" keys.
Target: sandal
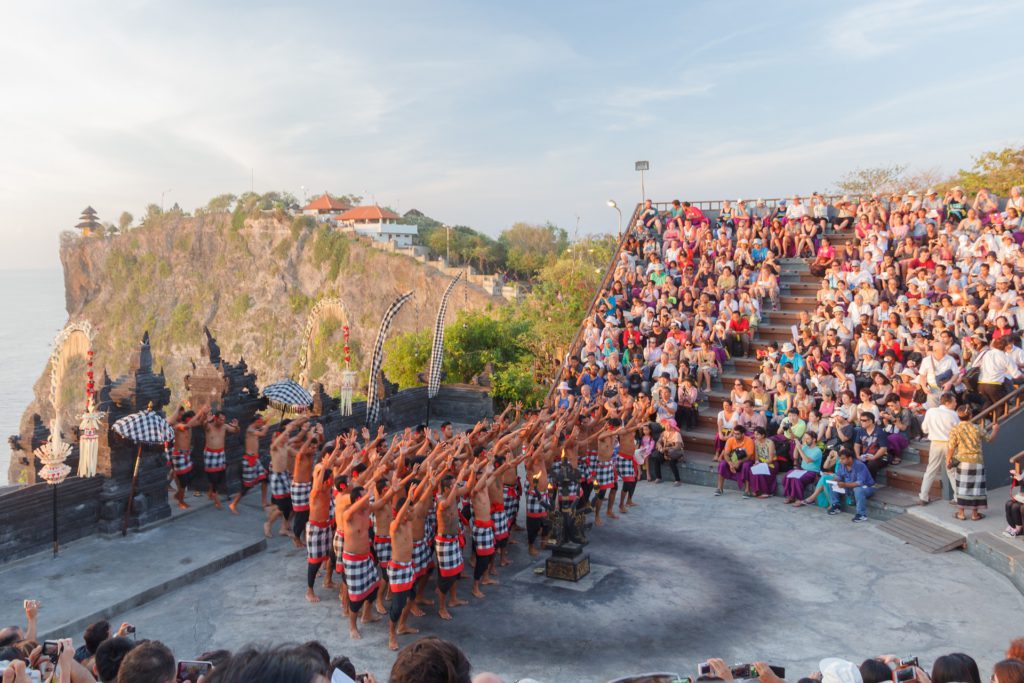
{"x": 977, "y": 517}
{"x": 896, "y": 461}
{"x": 959, "y": 515}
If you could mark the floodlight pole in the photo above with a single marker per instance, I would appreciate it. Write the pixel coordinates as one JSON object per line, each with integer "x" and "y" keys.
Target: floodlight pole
{"x": 643, "y": 166}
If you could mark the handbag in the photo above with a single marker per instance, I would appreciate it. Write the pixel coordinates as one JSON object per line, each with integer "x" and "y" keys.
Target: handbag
{"x": 675, "y": 454}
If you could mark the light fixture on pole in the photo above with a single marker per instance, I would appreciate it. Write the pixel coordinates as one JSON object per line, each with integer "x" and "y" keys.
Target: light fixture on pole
{"x": 612, "y": 204}
{"x": 52, "y": 454}
{"x": 643, "y": 166}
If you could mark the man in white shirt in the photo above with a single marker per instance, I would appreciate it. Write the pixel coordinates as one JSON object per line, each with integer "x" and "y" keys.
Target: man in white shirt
{"x": 796, "y": 210}
{"x": 937, "y": 423}
{"x": 996, "y": 366}
{"x": 939, "y": 373}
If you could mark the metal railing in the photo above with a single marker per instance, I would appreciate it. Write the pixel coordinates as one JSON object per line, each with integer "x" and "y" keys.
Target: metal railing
{"x": 606, "y": 283}
{"x": 1002, "y": 409}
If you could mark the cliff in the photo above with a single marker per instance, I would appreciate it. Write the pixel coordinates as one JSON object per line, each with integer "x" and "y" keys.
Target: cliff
{"x": 253, "y": 283}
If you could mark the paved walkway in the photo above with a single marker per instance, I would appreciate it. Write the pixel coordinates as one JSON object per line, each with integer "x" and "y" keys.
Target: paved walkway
{"x": 683, "y": 577}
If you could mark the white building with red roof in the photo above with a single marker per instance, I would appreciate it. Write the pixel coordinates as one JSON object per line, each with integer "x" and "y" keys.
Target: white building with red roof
{"x": 380, "y": 224}
{"x": 325, "y": 205}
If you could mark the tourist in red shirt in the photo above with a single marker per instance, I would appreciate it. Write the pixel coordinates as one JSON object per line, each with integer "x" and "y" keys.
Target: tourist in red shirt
{"x": 739, "y": 334}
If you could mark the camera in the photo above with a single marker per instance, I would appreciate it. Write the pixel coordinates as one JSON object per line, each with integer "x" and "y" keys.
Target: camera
{"x": 903, "y": 674}
{"x": 189, "y": 672}
{"x": 909, "y": 661}
{"x": 51, "y": 650}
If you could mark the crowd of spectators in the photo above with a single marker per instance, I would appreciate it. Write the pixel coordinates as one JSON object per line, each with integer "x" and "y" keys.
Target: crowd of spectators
{"x": 914, "y": 328}
{"x": 114, "y": 657}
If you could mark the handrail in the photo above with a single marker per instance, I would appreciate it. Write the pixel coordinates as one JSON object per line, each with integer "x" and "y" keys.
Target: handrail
{"x": 1001, "y": 409}
{"x": 605, "y": 284}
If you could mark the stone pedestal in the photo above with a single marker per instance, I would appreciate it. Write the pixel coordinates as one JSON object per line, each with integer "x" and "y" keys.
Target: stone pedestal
{"x": 568, "y": 562}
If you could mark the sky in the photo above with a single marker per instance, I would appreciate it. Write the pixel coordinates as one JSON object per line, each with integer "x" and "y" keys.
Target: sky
{"x": 484, "y": 113}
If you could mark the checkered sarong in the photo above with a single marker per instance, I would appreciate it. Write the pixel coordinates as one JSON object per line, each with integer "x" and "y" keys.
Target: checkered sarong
{"x": 535, "y": 504}
{"x": 401, "y": 576}
{"x": 500, "y": 519}
{"x": 361, "y": 575}
{"x": 318, "y": 542}
{"x": 214, "y": 460}
{"x": 422, "y": 557}
{"x": 181, "y": 461}
{"x": 300, "y": 495}
{"x": 483, "y": 537}
{"x": 587, "y": 465}
{"x": 280, "y": 485}
{"x": 971, "y": 489}
{"x": 511, "y": 493}
{"x": 604, "y": 477}
{"x": 253, "y": 471}
{"x": 382, "y": 549}
{"x": 338, "y": 544}
{"x": 625, "y": 467}
{"x": 449, "y": 555}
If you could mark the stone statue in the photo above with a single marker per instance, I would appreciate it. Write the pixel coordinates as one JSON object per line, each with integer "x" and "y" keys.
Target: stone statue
{"x": 567, "y": 523}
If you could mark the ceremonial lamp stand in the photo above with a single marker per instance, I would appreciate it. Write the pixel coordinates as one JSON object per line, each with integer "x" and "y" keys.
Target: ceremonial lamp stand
{"x": 568, "y": 562}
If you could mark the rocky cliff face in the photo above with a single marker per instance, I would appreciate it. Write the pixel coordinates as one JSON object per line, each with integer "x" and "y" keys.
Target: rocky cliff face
{"x": 253, "y": 283}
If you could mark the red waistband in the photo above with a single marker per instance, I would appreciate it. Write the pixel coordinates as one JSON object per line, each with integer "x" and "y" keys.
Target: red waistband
{"x": 382, "y": 539}
{"x": 355, "y": 558}
{"x": 213, "y": 450}
{"x": 319, "y": 525}
{"x": 498, "y": 507}
{"x": 489, "y": 524}
{"x": 400, "y": 565}
{"x": 446, "y": 539}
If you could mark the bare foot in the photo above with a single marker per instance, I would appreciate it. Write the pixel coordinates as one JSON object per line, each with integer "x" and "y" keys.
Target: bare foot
{"x": 217, "y": 505}
{"x": 444, "y": 614}
{"x": 611, "y": 515}
{"x": 505, "y": 562}
{"x": 353, "y": 634}
{"x": 487, "y": 581}
{"x": 415, "y": 610}
{"x": 380, "y": 609}
{"x": 266, "y": 530}
{"x": 623, "y": 510}
{"x": 631, "y": 504}
{"x": 512, "y": 541}
{"x": 392, "y": 643}
{"x": 284, "y": 531}
{"x": 476, "y": 592}
{"x": 182, "y": 505}
{"x": 296, "y": 541}
{"x": 231, "y": 507}
{"x": 425, "y": 601}
{"x": 330, "y": 584}
{"x": 370, "y": 617}
{"x": 457, "y": 603}
{"x": 598, "y": 521}
{"x": 407, "y": 630}
{"x": 533, "y": 551}
{"x": 311, "y": 596}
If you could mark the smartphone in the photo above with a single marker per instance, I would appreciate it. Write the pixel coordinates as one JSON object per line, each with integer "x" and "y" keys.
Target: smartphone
{"x": 704, "y": 670}
{"x": 908, "y": 661}
{"x": 743, "y": 671}
{"x": 51, "y": 650}
{"x": 903, "y": 675}
{"x": 189, "y": 672}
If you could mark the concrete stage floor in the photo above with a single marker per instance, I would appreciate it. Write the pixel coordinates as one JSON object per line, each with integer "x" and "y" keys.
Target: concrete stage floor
{"x": 683, "y": 577}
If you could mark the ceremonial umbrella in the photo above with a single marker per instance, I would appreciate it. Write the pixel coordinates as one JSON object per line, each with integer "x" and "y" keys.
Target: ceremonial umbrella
{"x": 144, "y": 428}
{"x": 287, "y": 395}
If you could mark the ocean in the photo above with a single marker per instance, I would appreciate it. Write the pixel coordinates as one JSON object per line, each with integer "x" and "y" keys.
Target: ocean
{"x": 32, "y": 308}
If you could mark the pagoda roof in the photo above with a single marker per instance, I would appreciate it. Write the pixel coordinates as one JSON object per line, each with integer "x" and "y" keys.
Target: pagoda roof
{"x": 326, "y": 202}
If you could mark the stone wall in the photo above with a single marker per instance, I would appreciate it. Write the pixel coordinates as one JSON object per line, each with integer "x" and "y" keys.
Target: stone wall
{"x": 26, "y": 515}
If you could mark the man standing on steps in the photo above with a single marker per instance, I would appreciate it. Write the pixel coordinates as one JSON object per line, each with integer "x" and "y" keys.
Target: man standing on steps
{"x": 939, "y": 373}
{"x": 183, "y": 421}
{"x": 936, "y": 425}
{"x": 739, "y": 335}
{"x": 214, "y": 460}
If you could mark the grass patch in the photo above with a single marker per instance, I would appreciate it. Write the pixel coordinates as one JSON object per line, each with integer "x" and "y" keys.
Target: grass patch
{"x": 240, "y": 305}
{"x": 330, "y": 248}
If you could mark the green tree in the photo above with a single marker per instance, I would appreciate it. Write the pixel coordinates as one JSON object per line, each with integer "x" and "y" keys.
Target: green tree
{"x": 995, "y": 171}
{"x": 222, "y": 202}
{"x": 125, "y": 221}
{"x": 530, "y": 247}
{"x": 405, "y": 355}
{"x": 153, "y": 213}
{"x": 864, "y": 181}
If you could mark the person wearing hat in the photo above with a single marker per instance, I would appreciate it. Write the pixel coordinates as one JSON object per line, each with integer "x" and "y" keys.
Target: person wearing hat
{"x": 566, "y": 400}
{"x": 790, "y": 355}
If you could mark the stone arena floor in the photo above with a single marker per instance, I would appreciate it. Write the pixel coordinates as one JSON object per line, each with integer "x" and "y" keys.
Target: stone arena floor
{"x": 683, "y": 577}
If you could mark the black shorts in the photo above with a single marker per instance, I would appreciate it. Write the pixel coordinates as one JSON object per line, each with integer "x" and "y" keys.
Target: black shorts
{"x": 284, "y": 505}
{"x": 216, "y": 480}
{"x": 184, "y": 480}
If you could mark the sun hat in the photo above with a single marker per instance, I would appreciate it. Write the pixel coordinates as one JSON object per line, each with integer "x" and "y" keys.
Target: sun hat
{"x": 835, "y": 670}
{"x": 930, "y": 191}
{"x": 564, "y": 386}
{"x": 787, "y": 347}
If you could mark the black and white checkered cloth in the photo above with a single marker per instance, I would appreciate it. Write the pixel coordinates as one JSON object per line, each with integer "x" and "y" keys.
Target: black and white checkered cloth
{"x": 500, "y": 519}
{"x": 604, "y": 477}
{"x": 300, "y": 495}
{"x": 588, "y": 464}
{"x": 625, "y": 467}
{"x": 280, "y": 485}
{"x": 401, "y": 576}
{"x": 483, "y": 537}
{"x": 971, "y": 488}
{"x": 361, "y": 575}
{"x": 181, "y": 461}
{"x": 449, "y": 555}
{"x": 382, "y": 549}
{"x": 422, "y": 557}
{"x": 536, "y": 503}
{"x": 253, "y": 471}
{"x": 372, "y": 400}
{"x": 511, "y": 493}
{"x": 318, "y": 542}
{"x": 287, "y": 395}
{"x": 437, "y": 348}
{"x": 214, "y": 460}
{"x": 145, "y": 427}
{"x": 339, "y": 550}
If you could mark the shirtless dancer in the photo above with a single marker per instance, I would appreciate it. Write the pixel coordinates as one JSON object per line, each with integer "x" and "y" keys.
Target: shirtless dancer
{"x": 214, "y": 460}
{"x": 281, "y": 457}
{"x": 253, "y": 471}
{"x": 483, "y": 526}
{"x": 538, "y": 503}
{"x": 402, "y": 567}
{"x": 183, "y": 421}
{"x": 302, "y": 477}
{"x": 604, "y": 478}
{"x": 362, "y": 578}
{"x": 318, "y": 528}
{"x": 626, "y": 463}
{"x": 449, "y": 541}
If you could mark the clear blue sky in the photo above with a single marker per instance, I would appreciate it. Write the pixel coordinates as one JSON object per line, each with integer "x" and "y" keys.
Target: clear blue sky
{"x": 484, "y": 113}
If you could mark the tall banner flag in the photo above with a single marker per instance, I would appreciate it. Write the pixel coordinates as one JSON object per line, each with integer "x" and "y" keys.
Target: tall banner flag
{"x": 437, "y": 352}
{"x": 373, "y": 400}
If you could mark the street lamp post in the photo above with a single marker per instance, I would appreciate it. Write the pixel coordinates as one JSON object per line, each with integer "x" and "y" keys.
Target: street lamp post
{"x": 162, "y": 200}
{"x": 612, "y": 204}
{"x": 643, "y": 166}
